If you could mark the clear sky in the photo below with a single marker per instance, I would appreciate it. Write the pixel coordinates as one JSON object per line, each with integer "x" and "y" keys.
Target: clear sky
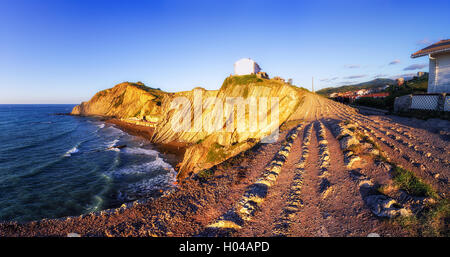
{"x": 65, "y": 51}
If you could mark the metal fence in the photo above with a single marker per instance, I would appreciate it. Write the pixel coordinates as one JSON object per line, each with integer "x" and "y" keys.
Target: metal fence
{"x": 425, "y": 102}
{"x": 447, "y": 104}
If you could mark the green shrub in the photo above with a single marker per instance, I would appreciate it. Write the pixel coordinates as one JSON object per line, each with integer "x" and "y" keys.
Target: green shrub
{"x": 216, "y": 153}
{"x": 409, "y": 182}
{"x": 371, "y": 102}
{"x": 205, "y": 174}
{"x": 241, "y": 80}
{"x": 119, "y": 100}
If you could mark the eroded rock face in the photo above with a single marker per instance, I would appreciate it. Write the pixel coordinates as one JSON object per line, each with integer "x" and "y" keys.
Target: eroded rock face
{"x": 218, "y": 146}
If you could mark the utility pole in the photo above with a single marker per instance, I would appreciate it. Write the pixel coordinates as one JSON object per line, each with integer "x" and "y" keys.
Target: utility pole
{"x": 312, "y": 87}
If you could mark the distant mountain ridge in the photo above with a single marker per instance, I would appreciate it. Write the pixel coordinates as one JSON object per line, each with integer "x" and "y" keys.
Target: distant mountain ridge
{"x": 368, "y": 84}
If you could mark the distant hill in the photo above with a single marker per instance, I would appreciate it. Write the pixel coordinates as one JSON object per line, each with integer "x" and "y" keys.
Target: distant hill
{"x": 369, "y": 84}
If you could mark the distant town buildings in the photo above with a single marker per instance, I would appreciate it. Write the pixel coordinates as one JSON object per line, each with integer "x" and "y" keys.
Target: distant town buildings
{"x": 400, "y": 81}
{"x": 262, "y": 75}
{"x": 333, "y": 95}
{"x": 363, "y": 92}
{"x": 246, "y": 66}
{"x": 351, "y": 96}
{"x": 439, "y": 67}
{"x": 279, "y": 78}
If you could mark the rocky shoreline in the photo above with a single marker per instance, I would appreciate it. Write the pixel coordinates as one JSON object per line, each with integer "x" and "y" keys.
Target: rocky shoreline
{"x": 173, "y": 151}
{"x": 318, "y": 189}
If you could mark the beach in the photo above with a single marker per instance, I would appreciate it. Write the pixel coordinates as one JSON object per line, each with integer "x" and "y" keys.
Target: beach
{"x": 173, "y": 151}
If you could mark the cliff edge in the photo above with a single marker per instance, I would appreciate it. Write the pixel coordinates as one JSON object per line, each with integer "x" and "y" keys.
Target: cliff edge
{"x": 206, "y": 147}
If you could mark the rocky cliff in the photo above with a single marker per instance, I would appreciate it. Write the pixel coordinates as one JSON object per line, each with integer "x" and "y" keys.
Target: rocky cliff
{"x": 206, "y": 147}
{"x": 125, "y": 100}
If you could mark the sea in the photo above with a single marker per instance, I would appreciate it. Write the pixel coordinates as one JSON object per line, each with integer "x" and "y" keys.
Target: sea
{"x": 54, "y": 165}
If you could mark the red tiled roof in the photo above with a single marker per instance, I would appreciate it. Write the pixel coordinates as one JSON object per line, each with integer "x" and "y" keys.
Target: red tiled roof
{"x": 441, "y": 46}
{"x": 384, "y": 94}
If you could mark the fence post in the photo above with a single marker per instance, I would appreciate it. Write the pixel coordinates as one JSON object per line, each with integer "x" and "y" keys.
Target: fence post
{"x": 441, "y": 102}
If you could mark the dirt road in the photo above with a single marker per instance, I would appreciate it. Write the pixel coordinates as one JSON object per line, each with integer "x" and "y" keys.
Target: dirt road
{"x": 333, "y": 172}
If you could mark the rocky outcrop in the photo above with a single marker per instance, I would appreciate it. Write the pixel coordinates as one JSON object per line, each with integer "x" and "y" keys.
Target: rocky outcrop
{"x": 402, "y": 103}
{"x": 125, "y": 100}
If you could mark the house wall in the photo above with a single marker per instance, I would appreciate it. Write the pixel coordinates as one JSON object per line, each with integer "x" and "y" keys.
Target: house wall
{"x": 432, "y": 76}
{"x": 439, "y": 77}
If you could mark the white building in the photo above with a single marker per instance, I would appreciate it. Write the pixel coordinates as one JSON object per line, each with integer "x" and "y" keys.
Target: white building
{"x": 439, "y": 75}
{"x": 362, "y": 92}
{"x": 246, "y": 66}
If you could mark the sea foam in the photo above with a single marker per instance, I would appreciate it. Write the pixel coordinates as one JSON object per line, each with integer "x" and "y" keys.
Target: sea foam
{"x": 71, "y": 151}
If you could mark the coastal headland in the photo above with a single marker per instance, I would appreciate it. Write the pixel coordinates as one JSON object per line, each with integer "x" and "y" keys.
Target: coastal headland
{"x": 330, "y": 171}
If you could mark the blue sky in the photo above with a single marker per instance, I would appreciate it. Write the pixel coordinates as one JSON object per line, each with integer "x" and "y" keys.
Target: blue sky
{"x": 65, "y": 51}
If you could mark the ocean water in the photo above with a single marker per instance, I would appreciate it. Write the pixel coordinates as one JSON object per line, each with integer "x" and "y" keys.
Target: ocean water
{"x": 54, "y": 166}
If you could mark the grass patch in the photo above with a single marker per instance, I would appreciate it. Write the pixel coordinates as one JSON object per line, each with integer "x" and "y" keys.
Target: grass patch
{"x": 409, "y": 182}
{"x": 434, "y": 219}
{"x": 216, "y": 153}
{"x": 241, "y": 80}
{"x": 405, "y": 179}
{"x": 205, "y": 174}
{"x": 433, "y": 222}
{"x": 119, "y": 100}
{"x": 370, "y": 102}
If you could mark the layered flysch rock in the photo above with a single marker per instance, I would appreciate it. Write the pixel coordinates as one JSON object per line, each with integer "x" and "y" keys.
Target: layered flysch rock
{"x": 125, "y": 100}
{"x": 206, "y": 148}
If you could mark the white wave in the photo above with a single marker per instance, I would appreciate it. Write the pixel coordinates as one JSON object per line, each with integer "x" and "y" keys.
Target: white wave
{"x": 136, "y": 150}
{"x": 111, "y": 144}
{"x": 157, "y": 182}
{"x": 157, "y": 163}
{"x": 161, "y": 163}
{"x": 136, "y": 169}
{"x": 115, "y": 131}
{"x": 163, "y": 182}
{"x": 101, "y": 125}
{"x": 71, "y": 151}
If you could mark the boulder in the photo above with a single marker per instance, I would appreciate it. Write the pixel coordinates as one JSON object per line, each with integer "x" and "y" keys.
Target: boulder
{"x": 348, "y": 141}
{"x": 383, "y": 206}
{"x": 402, "y": 103}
